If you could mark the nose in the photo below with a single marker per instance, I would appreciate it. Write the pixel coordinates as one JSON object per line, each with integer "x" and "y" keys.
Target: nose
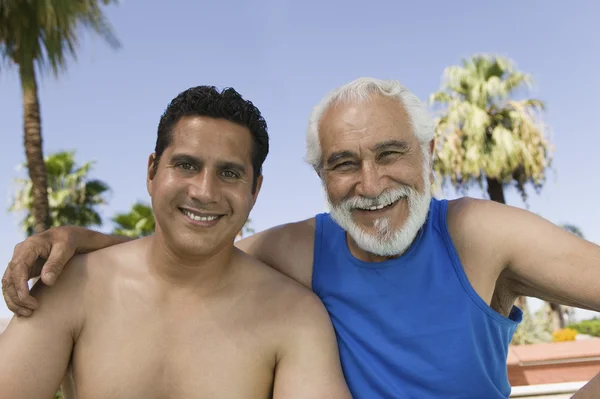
{"x": 371, "y": 184}
{"x": 204, "y": 187}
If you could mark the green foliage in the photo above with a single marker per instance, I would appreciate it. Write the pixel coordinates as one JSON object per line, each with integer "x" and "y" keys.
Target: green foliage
{"x": 483, "y": 132}
{"x": 44, "y": 33}
{"x": 73, "y": 198}
{"x": 589, "y": 327}
{"x": 138, "y": 222}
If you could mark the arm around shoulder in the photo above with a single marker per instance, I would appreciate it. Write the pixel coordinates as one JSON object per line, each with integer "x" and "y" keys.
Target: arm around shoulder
{"x": 288, "y": 248}
{"x": 308, "y": 363}
{"x": 35, "y": 350}
{"x": 45, "y": 254}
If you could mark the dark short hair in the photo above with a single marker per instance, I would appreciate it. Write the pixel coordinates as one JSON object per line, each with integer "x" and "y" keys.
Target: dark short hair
{"x": 227, "y": 104}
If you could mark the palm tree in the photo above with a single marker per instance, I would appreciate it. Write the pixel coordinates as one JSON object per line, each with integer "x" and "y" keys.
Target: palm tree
{"x": 138, "y": 222}
{"x": 484, "y": 134}
{"x": 73, "y": 197}
{"x": 36, "y": 36}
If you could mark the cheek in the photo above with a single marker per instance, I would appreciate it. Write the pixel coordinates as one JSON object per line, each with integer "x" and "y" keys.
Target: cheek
{"x": 166, "y": 188}
{"x": 410, "y": 174}
{"x": 337, "y": 187}
{"x": 239, "y": 201}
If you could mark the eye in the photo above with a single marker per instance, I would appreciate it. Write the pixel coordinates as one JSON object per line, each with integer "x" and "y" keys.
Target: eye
{"x": 185, "y": 166}
{"x": 230, "y": 174}
{"x": 388, "y": 155}
{"x": 344, "y": 165}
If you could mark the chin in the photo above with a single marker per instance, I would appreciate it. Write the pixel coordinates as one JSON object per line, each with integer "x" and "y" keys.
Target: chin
{"x": 385, "y": 239}
{"x": 394, "y": 243}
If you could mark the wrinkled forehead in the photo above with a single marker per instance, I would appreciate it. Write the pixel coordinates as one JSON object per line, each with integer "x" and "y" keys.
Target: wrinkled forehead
{"x": 350, "y": 125}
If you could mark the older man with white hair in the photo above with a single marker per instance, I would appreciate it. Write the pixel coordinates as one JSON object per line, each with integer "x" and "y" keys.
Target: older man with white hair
{"x": 420, "y": 290}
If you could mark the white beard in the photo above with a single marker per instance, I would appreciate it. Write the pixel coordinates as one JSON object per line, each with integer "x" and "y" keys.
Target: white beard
{"x": 385, "y": 241}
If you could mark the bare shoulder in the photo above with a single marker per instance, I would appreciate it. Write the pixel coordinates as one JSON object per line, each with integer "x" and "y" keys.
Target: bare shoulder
{"x": 60, "y": 305}
{"x": 288, "y": 248}
{"x": 69, "y": 285}
{"x": 469, "y": 211}
{"x": 297, "y": 328}
{"x": 472, "y": 220}
{"x": 490, "y": 224}
{"x": 92, "y": 272}
{"x": 282, "y": 298}
{"x": 97, "y": 265}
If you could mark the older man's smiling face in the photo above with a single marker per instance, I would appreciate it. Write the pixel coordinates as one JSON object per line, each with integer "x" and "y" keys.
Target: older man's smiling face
{"x": 376, "y": 174}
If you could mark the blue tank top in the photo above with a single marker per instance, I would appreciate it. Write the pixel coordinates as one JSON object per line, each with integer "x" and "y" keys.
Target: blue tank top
{"x": 412, "y": 327}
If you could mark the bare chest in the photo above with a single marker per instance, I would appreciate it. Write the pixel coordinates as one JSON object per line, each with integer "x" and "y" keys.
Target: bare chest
{"x": 141, "y": 355}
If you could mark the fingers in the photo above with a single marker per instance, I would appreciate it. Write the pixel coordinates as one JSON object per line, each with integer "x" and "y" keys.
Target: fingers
{"x": 13, "y": 302}
{"x": 27, "y": 263}
{"x": 15, "y": 288}
{"x": 57, "y": 259}
{"x": 18, "y": 277}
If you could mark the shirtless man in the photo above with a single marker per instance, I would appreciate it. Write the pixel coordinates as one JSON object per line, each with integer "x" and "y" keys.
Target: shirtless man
{"x": 182, "y": 313}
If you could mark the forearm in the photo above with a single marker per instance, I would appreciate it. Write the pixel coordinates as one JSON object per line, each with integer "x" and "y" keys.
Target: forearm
{"x": 591, "y": 390}
{"x": 90, "y": 240}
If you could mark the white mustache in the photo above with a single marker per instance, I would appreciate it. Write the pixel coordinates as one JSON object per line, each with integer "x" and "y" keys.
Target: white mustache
{"x": 387, "y": 197}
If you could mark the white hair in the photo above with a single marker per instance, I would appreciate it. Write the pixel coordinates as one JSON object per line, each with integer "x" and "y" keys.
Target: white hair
{"x": 359, "y": 91}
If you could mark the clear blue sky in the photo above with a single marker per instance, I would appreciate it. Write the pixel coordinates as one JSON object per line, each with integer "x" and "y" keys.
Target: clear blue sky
{"x": 284, "y": 56}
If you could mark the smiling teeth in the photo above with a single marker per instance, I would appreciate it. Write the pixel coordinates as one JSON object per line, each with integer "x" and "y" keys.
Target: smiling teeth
{"x": 378, "y": 207}
{"x": 199, "y": 218}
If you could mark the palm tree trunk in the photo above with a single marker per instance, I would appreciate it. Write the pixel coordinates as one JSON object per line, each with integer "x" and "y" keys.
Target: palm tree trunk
{"x": 32, "y": 128}
{"x": 556, "y": 316}
{"x": 496, "y": 192}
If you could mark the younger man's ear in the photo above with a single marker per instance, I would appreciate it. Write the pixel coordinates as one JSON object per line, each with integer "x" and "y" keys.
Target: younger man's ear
{"x": 151, "y": 172}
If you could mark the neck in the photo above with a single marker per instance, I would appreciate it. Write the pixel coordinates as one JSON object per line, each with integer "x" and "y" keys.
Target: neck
{"x": 200, "y": 273}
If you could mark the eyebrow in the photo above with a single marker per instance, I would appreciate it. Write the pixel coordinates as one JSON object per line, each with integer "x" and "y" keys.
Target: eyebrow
{"x": 185, "y": 158}
{"x": 399, "y": 145}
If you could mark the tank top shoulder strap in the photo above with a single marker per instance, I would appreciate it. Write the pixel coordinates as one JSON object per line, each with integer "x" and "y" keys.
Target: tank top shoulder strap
{"x": 327, "y": 234}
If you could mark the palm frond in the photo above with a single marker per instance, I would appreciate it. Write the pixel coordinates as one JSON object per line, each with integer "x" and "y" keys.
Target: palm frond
{"x": 72, "y": 196}
{"x": 46, "y": 33}
{"x": 482, "y": 131}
